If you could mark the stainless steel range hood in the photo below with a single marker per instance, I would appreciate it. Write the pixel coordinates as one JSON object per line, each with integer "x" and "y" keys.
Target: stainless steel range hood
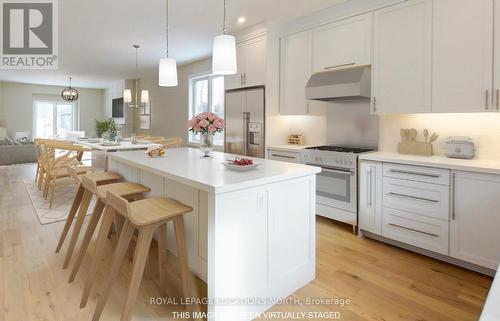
{"x": 340, "y": 84}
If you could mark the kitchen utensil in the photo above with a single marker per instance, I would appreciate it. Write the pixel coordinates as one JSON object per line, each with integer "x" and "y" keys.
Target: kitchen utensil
{"x": 413, "y": 134}
{"x": 433, "y": 138}
{"x": 426, "y": 134}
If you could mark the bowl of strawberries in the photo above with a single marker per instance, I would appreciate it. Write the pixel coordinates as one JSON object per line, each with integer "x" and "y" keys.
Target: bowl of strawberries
{"x": 240, "y": 164}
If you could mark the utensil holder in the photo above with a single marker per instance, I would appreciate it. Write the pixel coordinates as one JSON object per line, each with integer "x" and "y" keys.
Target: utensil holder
{"x": 415, "y": 148}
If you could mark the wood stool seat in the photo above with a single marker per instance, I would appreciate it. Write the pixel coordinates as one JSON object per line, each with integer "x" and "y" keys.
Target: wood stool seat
{"x": 81, "y": 203}
{"x": 77, "y": 172}
{"x": 154, "y": 210}
{"x": 146, "y": 216}
{"x": 123, "y": 189}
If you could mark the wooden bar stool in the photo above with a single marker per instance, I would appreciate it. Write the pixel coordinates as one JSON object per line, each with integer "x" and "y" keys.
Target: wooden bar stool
{"x": 75, "y": 172}
{"x": 146, "y": 215}
{"x": 126, "y": 190}
{"x": 100, "y": 178}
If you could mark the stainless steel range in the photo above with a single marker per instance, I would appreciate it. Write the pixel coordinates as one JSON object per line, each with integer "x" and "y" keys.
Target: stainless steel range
{"x": 337, "y": 184}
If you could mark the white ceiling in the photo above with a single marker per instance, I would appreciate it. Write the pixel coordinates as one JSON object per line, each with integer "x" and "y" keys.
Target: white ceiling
{"x": 96, "y": 36}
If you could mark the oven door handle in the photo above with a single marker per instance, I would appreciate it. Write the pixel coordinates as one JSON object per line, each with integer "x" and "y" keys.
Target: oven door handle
{"x": 338, "y": 170}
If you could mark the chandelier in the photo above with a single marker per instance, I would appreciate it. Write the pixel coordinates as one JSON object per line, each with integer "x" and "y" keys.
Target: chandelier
{"x": 69, "y": 94}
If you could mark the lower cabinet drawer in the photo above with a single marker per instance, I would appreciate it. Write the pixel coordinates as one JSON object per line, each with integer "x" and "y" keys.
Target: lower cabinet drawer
{"x": 426, "y": 199}
{"x": 420, "y": 231}
{"x": 284, "y": 156}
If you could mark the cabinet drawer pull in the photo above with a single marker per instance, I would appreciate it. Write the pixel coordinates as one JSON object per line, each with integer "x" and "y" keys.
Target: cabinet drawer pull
{"x": 341, "y": 65}
{"x": 397, "y": 171}
{"x": 486, "y": 99}
{"x": 413, "y": 230}
{"x": 498, "y": 96}
{"x": 413, "y": 197}
{"x": 283, "y": 156}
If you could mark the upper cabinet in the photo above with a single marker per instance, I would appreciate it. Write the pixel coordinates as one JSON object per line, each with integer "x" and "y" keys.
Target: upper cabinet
{"x": 343, "y": 43}
{"x": 462, "y": 56}
{"x": 251, "y": 59}
{"x": 402, "y": 58}
{"x": 295, "y": 70}
{"x": 496, "y": 71}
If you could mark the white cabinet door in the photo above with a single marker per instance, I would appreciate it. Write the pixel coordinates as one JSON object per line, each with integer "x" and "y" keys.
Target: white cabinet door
{"x": 462, "y": 56}
{"x": 236, "y": 80}
{"x": 296, "y": 68}
{"x": 402, "y": 58}
{"x": 343, "y": 43}
{"x": 255, "y": 62}
{"x": 475, "y": 219}
{"x": 251, "y": 60}
{"x": 370, "y": 197}
{"x": 496, "y": 71}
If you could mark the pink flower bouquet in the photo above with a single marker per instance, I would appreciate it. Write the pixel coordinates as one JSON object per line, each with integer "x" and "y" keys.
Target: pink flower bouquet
{"x": 206, "y": 123}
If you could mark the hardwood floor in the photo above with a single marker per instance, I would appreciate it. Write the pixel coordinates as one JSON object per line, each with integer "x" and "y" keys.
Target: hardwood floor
{"x": 382, "y": 282}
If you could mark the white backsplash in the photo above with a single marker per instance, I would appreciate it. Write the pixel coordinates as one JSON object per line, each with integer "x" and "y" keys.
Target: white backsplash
{"x": 483, "y": 128}
{"x": 350, "y": 123}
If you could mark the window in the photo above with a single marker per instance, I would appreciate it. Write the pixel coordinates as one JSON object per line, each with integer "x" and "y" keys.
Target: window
{"x": 53, "y": 118}
{"x": 207, "y": 95}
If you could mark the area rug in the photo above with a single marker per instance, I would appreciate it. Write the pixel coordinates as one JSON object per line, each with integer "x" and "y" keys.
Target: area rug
{"x": 63, "y": 200}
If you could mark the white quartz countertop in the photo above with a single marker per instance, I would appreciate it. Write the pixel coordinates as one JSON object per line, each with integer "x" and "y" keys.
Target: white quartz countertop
{"x": 186, "y": 166}
{"x": 491, "y": 310}
{"x": 471, "y": 165}
{"x": 293, "y": 148}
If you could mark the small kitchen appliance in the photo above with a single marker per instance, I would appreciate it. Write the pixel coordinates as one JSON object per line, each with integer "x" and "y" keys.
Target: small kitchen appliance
{"x": 460, "y": 147}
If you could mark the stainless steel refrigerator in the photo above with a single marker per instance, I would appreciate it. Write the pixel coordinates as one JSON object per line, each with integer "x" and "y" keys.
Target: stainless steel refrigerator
{"x": 245, "y": 122}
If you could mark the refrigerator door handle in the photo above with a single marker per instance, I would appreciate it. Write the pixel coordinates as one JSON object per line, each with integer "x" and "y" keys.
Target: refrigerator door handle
{"x": 246, "y": 129}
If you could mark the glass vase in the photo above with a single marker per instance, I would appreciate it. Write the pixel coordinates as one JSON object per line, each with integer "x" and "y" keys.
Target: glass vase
{"x": 206, "y": 145}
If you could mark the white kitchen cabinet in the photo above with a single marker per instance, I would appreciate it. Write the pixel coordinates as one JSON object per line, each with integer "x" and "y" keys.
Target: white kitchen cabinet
{"x": 462, "y": 56}
{"x": 496, "y": 70}
{"x": 291, "y": 156}
{"x": 370, "y": 197}
{"x": 251, "y": 60}
{"x": 402, "y": 58}
{"x": 343, "y": 43}
{"x": 475, "y": 218}
{"x": 295, "y": 70}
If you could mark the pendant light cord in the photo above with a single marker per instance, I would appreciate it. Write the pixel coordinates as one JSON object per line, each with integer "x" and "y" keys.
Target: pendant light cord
{"x": 167, "y": 28}
{"x": 224, "y": 27}
{"x": 136, "y": 73}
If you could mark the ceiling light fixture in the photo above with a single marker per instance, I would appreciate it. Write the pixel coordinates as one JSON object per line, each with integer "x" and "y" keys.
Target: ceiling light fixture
{"x": 242, "y": 20}
{"x": 69, "y": 94}
{"x": 167, "y": 75}
{"x": 127, "y": 93}
{"x": 224, "y": 51}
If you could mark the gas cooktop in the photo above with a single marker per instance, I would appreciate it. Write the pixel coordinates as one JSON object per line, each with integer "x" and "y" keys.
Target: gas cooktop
{"x": 341, "y": 149}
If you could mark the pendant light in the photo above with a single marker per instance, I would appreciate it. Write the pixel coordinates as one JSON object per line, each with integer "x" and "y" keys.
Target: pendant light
{"x": 127, "y": 93}
{"x": 167, "y": 76}
{"x": 69, "y": 94}
{"x": 224, "y": 52}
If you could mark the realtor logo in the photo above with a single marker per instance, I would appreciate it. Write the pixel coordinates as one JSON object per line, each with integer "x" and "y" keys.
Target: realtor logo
{"x": 28, "y": 38}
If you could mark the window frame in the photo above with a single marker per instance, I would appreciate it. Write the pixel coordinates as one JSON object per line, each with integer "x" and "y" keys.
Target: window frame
{"x": 192, "y": 81}
{"x": 54, "y": 101}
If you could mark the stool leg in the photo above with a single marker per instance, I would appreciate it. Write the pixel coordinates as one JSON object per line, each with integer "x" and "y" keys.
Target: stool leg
{"x": 182, "y": 252}
{"x": 107, "y": 220}
{"x": 82, "y": 212}
{"x": 94, "y": 219}
{"x": 140, "y": 258}
{"x": 121, "y": 249}
{"x": 71, "y": 216}
{"x": 162, "y": 257}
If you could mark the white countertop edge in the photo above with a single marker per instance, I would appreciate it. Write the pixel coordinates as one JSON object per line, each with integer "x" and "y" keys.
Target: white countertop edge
{"x": 469, "y": 165}
{"x": 309, "y": 170}
{"x": 289, "y": 148}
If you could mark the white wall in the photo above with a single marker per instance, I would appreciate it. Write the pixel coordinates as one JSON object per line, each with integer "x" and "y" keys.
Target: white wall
{"x": 484, "y": 128}
{"x": 170, "y": 105}
{"x": 16, "y": 101}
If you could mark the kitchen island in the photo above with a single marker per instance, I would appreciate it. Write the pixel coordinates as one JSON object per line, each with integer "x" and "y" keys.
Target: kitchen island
{"x": 250, "y": 236}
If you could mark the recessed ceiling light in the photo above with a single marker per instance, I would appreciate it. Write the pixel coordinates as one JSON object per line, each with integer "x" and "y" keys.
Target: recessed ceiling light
{"x": 241, "y": 19}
